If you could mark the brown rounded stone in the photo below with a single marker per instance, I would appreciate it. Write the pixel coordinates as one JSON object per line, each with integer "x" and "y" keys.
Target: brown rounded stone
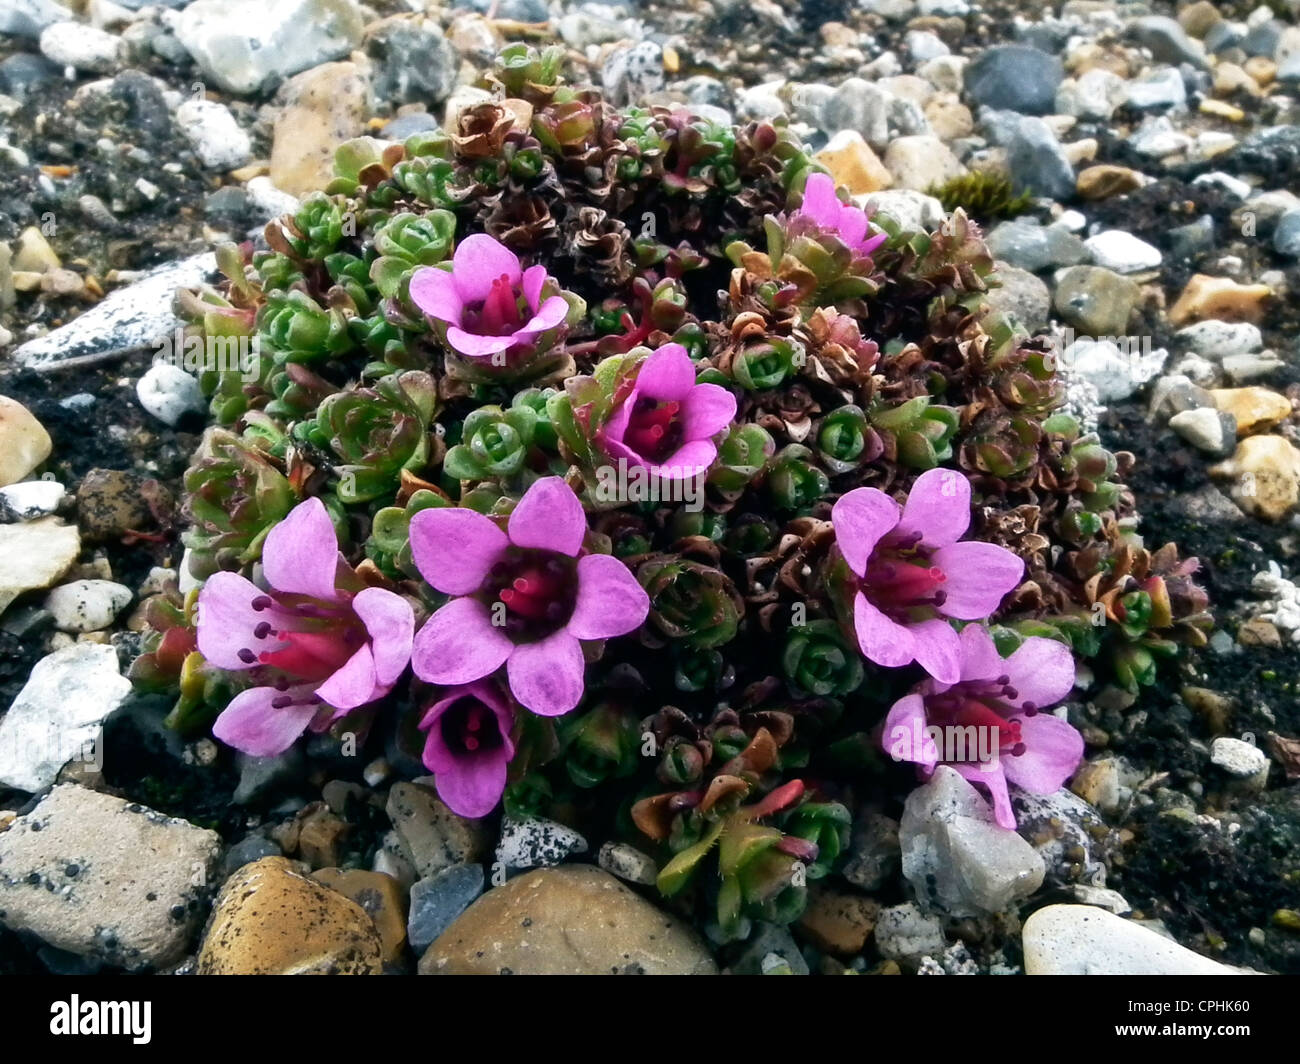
{"x": 572, "y": 920}
{"x": 381, "y": 896}
{"x": 270, "y": 919}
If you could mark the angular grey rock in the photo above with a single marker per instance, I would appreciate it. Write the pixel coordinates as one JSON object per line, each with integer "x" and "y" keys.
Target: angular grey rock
{"x": 134, "y": 318}
{"x": 861, "y": 106}
{"x": 27, "y": 18}
{"x": 413, "y": 61}
{"x": 763, "y": 942}
{"x": 437, "y": 900}
{"x": 1157, "y": 90}
{"x": 1038, "y": 163}
{"x": 1167, "y": 40}
{"x": 1022, "y": 296}
{"x": 1025, "y": 244}
{"x": 957, "y": 857}
{"x": 104, "y": 878}
{"x": 56, "y": 717}
{"x": 1286, "y": 237}
{"x": 1014, "y": 77}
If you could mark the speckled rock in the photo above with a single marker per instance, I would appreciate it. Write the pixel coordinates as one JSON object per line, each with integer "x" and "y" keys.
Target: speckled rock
{"x": 536, "y": 843}
{"x": 382, "y": 898}
{"x": 1263, "y": 476}
{"x": 87, "y": 605}
{"x": 323, "y": 107}
{"x": 104, "y": 878}
{"x": 432, "y": 836}
{"x": 270, "y": 919}
{"x": 566, "y": 921}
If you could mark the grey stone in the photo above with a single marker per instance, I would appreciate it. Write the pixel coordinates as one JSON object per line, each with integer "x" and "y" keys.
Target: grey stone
{"x": 1067, "y": 832}
{"x": 431, "y": 835}
{"x": 631, "y": 74}
{"x": 536, "y": 843}
{"x": 1239, "y": 759}
{"x": 628, "y": 863}
{"x": 861, "y": 106}
{"x": 906, "y": 932}
{"x": 1224, "y": 35}
{"x": 263, "y": 777}
{"x": 413, "y": 61}
{"x": 1192, "y": 240}
{"x": 1167, "y": 40}
{"x": 1286, "y": 237}
{"x": 957, "y": 858}
{"x": 1022, "y": 296}
{"x": 1157, "y": 90}
{"x": 56, "y": 717}
{"x": 246, "y": 851}
{"x": 873, "y": 854}
{"x": 27, "y": 18}
{"x": 1038, "y": 163}
{"x": 1212, "y": 431}
{"x": 133, "y": 318}
{"x": 1176, "y": 394}
{"x": 408, "y": 125}
{"x": 217, "y": 139}
{"x": 22, "y": 72}
{"x": 1014, "y": 77}
{"x": 437, "y": 900}
{"x": 1030, "y": 246}
{"x": 1096, "y": 300}
{"x": 765, "y": 940}
{"x": 74, "y": 44}
{"x": 100, "y": 877}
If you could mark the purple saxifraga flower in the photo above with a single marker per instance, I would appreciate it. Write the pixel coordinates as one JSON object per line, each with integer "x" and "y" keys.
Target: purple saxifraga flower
{"x": 468, "y": 746}
{"x": 318, "y": 642}
{"x": 524, "y": 598}
{"x": 488, "y": 304}
{"x": 1001, "y": 698}
{"x": 822, "y": 207}
{"x": 912, "y": 573}
{"x": 667, "y": 422}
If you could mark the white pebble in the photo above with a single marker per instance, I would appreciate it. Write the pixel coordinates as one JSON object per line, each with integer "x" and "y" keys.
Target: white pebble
{"x": 169, "y": 393}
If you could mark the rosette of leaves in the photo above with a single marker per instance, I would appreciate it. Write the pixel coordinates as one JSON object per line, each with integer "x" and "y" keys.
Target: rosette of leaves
{"x": 823, "y": 270}
{"x": 315, "y": 230}
{"x": 845, "y": 440}
{"x": 375, "y": 433}
{"x": 525, "y": 73}
{"x": 794, "y": 481}
{"x": 917, "y": 433}
{"x": 235, "y": 493}
{"x": 599, "y": 744}
{"x": 389, "y": 542}
{"x": 494, "y": 443}
{"x": 825, "y": 825}
{"x": 817, "y": 660}
{"x": 293, "y": 327}
{"x": 362, "y": 167}
{"x": 406, "y": 242}
{"x": 690, "y": 601}
{"x": 743, "y": 455}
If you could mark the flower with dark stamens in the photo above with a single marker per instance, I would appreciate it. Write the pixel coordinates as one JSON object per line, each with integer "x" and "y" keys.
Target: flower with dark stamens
{"x": 487, "y": 304}
{"x": 1005, "y": 697}
{"x": 912, "y": 573}
{"x": 525, "y": 597}
{"x": 822, "y": 207}
{"x": 469, "y": 746}
{"x": 319, "y": 642}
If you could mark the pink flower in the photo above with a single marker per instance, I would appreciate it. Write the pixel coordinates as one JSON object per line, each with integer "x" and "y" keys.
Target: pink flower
{"x": 667, "y": 422}
{"x": 1034, "y": 750}
{"x": 317, "y": 649}
{"x": 469, "y": 746}
{"x": 912, "y": 572}
{"x": 524, "y": 597}
{"x": 823, "y": 208}
{"x": 487, "y": 304}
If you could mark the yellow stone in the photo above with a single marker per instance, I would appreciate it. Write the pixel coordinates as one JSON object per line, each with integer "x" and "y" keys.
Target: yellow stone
{"x": 838, "y": 921}
{"x": 1106, "y": 180}
{"x": 1263, "y": 475}
{"x": 949, "y": 117}
{"x": 24, "y": 443}
{"x": 1255, "y": 408}
{"x": 382, "y": 898}
{"x": 270, "y": 919}
{"x": 1221, "y": 109}
{"x": 325, "y": 106}
{"x": 1229, "y": 78}
{"x": 1262, "y": 69}
{"x": 853, "y": 164}
{"x": 33, "y": 253}
{"x": 672, "y": 61}
{"x": 1220, "y": 298}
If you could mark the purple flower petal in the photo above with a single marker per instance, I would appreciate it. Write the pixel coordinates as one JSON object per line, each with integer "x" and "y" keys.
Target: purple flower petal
{"x": 548, "y": 316}
{"x": 390, "y": 623}
{"x": 251, "y": 724}
{"x": 881, "y": 640}
{"x": 547, "y": 676}
{"x": 353, "y": 684}
{"x": 994, "y": 779}
{"x": 474, "y": 346}
{"x": 478, "y": 262}
{"x": 1053, "y": 749}
{"x": 454, "y": 547}
{"x": 977, "y": 578}
{"x": 938, "y": 649}
{"x": 668, "y": 374}
{"x": 472, "y": 786}
{"x": 904, "y": 732}
{"x": 301, "y": 553}
{"x": 862, "y": 517}
{"x": 706, "y": 411}
{"x": 938, "y": 507}
{"x": 820, "y": 202}
{"x": 610, "y": 601}
{"x": 1041, "y": 670}
{"x": 533, "y": 281}
{"x": 459, "y": 644}
{"x": 434, "y": 292}
{"x": 980, "y": 659}
{"x": 549, "y": 517}
{"x": 226, "y": 620}
{"x": 687, "y": 462}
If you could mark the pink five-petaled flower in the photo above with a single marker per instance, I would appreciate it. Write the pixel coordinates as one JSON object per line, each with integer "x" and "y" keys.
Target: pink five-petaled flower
{"x": 317, "y": 649}
{"x": 849, "y": 223}
{"x": 487, "y": 302}
{"x": 523, "y": 598}
{"x": 1004, "y": 697}
{"x": 667, "y": 422}
{"x": 469, "y": 746}
{"x": 911, "y": 571}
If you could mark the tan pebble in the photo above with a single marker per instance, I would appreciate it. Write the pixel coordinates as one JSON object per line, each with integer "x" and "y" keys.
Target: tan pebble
{"x": 1258, "y": 632}
{"x": 1221, "y": 109}
{"x": 1219, "y": 297}
{"x": 382, "y": 898}
{"x": 1262, "y": 69}
{"x": 33, "y": 253}
{"x": 1106, "y": 180}
{"x": 1081, "y": 151}
{"x": 853, "y": 164}
{"x": 1255, "y": 408}
{"x": 1263, "y": 475}
{"x": 24, "y": 443}
{"x": 838, "y": 921}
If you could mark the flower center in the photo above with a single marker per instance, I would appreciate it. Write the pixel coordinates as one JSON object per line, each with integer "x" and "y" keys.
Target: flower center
{"x": 469, "y": 727}
{"x": 654, "y": 430}
{"x": 499, "y": 314}
{"x": 990, "y": 705}
{"x": 315, "y": 639}
{"x": 531, "y": 593}
{"x": 901, "y": 582}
